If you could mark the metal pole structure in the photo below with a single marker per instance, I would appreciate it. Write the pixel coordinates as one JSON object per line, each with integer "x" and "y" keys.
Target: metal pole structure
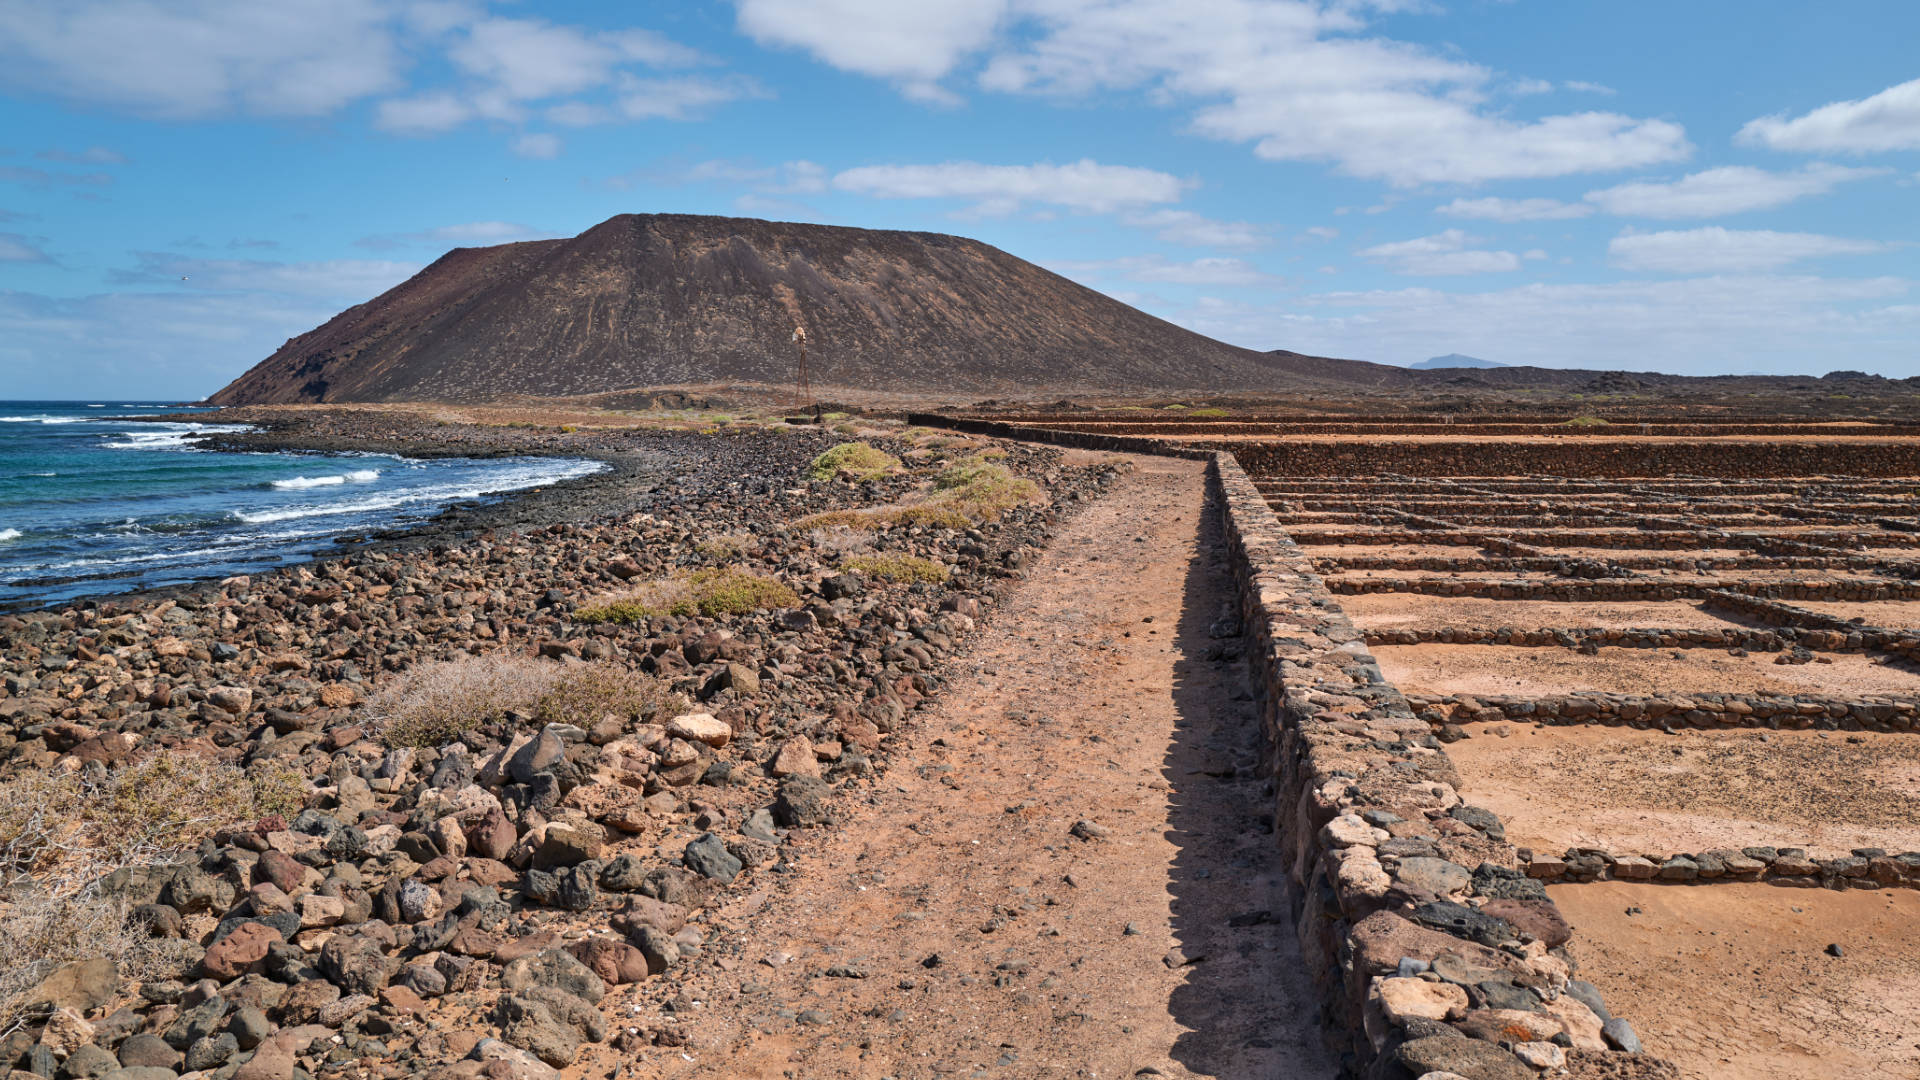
{"x": 806, "y": 387}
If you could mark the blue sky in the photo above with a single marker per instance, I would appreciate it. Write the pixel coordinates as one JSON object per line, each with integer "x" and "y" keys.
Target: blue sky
{"x": 1709, "y": 187}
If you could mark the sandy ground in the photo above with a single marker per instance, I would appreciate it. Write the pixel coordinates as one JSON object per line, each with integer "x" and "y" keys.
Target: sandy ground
{"x": 1398, "y": 611}
{"x": 1649, "y": 792}
{"x": 1893, "y": 613}
{"x": 991, "y": 941}
{"x": 1538, "y": 672}
{"x": 1732, "y": 982}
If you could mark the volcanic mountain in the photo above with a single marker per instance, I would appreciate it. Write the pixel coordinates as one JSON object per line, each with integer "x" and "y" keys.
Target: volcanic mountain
{"x": 670, "y": 299}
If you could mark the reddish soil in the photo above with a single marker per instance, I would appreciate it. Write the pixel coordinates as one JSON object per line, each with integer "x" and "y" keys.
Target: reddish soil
{"x": 1649, "y": 792}
{"x": 989, "y": 939}
{"x": 1892, "y": 613}
{"x": 1436, "y": 669}
{"x": 1732, "y": 981}
{"x": 1395, "y": 611}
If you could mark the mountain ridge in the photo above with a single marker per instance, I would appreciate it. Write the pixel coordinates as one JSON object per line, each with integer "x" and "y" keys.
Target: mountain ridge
{"x": 666, "y": 299}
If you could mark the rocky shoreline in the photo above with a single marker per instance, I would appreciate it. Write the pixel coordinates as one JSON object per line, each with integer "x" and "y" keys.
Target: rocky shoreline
{"x": 502, "y": 901}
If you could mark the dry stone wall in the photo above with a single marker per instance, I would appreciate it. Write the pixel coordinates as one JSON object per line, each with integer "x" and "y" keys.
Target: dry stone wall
{"x": 1431, "y": 943}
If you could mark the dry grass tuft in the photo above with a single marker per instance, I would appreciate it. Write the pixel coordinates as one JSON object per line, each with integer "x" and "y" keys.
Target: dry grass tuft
{"x": 716, "y": 591}
{"x": 433, "y": 704}
{"x": 588, "y": 693}
{"x": 60, "y": 833}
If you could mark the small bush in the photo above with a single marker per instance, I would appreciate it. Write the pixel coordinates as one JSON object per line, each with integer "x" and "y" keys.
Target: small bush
{"x": 728, "y": 546}
{"x": 845, "y": 429}
{"x": 839, "y": 539}
{"x": 1586, "y": 421}
{"x": 727, "y": 591}
{"x": 857, "y": 461}
{"x": 432, "y": 704}
{"x": 897, "y": 568}
{"x": 1209, "y": 412}
{"x": 927, "y": 515}
{"x": 587, "y": 693}
{"x": 712, "y": 592}
{"x": 981, "y": 490}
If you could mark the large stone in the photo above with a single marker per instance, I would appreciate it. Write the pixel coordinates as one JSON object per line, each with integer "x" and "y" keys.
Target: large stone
{"x": 240, "y": 952}
{"x": 507, "y": 1062}
{"x": 66, "y": 1031}
{"x": 794, "y": 757}
{"x": 803, "y": 800}
{"x": 83, "y": 985}
{"x": 701, "y": 727}
{"x": 1470, "y": 1058}
{"x": 537, "y": 756}
{"x": 616, "y": 962}
{"x": 709, "y": 856}
{"x": 1537, "y": 919}
{"x": 1382, "y": 938}
{"x": 555, "y": 968}
{"x": 1437, "y": 877}
{"x": 567, "y": 844}
{"x": 1402, "y": 999}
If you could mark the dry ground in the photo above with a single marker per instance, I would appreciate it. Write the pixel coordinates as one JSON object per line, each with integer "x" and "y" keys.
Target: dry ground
{"x": 1733, "y": 982}
{"x": 1411, "y": 611}
{"x": 1646, "y": 791}
{"x": 956, "y": 927}
{"x": 1436, "y": 669}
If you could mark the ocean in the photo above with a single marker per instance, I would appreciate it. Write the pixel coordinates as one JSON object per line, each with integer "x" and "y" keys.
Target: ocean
{"x": 92, "y": 504}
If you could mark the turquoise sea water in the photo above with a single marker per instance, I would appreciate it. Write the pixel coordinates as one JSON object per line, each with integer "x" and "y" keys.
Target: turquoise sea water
{"x": 91, "y": 503}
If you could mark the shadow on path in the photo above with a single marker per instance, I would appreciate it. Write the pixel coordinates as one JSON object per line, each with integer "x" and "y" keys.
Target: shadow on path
{"x": 1247, "y": 1000}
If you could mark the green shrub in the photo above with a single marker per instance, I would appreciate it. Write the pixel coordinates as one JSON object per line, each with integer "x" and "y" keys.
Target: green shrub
{"x": 897, "y": 568}
{"x": 1586, "y": 421}
{"x": 982, "y": 490}
{"x": 1209, "y": 412}
{"x": 857, "y": 461}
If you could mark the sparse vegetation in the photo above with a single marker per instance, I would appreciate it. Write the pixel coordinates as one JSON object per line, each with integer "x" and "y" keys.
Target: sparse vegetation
{"x": 855, "y": 461}
{"x": 432, "y": 704}
{"x": 982, "y": 490}
{"x": 1209, "y": 412}
{"x": 711, "y": 592}
{"x": 587, "y": 693}
{"x": 728, "y": 547}
{"x": 1586, "y": 421}
{"x": 897, "y": 568}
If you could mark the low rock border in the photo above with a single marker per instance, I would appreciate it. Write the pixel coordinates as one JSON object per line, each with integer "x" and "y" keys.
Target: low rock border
{"x": 1430, "y": 943}
{"x": 1865, "y": 868}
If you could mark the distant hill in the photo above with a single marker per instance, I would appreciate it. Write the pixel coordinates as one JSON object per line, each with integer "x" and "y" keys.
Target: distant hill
{"x": 1453, "y": 360}
{"x": 645, "y": 300}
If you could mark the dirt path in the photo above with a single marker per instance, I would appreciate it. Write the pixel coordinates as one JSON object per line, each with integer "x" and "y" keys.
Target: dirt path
{"x": 956, "y": 926}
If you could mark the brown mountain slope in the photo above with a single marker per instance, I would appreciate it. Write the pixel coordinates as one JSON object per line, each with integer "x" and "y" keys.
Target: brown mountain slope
{"x": 665, "y": 299}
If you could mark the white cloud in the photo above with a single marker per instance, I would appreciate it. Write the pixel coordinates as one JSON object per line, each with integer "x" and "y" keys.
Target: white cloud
{"x": 1889, "y": 120}
{"x": 537, "y": 144}
{"x": 1708, "y": 325}
{"x": 1715, "y": 249}
{"x": 1084, "y": 185}
{"x": 92, "y": 155}
{"x": 913, "y": 45}
{"x": 16, "y": 248}
{"x": 428, "y": 114}
{"x": 1189, "y": 229}
{"x": 1322, "y": 232}
{"x": 1157, "y": 268}
{"x": 1512, "y": 210}
{"x": 343, "y": 279}
{"x": 1578, "y": 86}
{"x": 466, "y": 234}
{"x": 530, "y": 59}
{"x": 682, "y": 98}
{"x": 1732, "y": 189}
{"x": 1448, "y": 253}
{"x": 192, "y": 58}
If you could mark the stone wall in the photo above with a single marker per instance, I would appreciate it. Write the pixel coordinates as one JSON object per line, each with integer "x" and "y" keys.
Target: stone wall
{"x": 1629, "y": 589}
{"x": 1625, "y": 458}
{"x": 1792, "y": 867}
{"x": 1418, "y": 921}
{"x": 1705, "y": 711}
{"x": 1416, "y": 917}
{"x": 1649, "y": 637}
